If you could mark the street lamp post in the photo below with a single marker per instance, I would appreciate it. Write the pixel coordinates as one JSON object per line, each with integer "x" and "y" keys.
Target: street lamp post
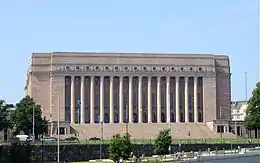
{"x": 102, "y": 137}
{"x": 220, "y": 116}
{"x": 42, "y": 150}
{"x": 58, "y": 142}
{"x": 127, "y": 119}
{"x": 78, "y": 104}
{"x": 33, "y": 132}
{"x": 51, "y": 127}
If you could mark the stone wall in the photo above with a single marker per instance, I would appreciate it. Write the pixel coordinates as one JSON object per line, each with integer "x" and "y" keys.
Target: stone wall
{"x": 92, "y": 151}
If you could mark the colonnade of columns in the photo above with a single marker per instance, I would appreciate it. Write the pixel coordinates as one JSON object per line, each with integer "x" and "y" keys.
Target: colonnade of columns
{"x": 78, "y": 106}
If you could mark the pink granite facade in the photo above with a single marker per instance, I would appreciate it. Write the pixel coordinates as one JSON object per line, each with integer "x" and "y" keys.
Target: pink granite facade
{"x": 46, "y": 83}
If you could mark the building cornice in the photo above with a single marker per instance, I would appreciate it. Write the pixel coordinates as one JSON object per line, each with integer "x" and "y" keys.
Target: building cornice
{"x": 132, "y": 55}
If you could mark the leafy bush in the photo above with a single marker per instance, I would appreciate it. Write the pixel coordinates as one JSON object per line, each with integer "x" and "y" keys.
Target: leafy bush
{"x": 120, "y": 147}
{"x": 163, "y": 142}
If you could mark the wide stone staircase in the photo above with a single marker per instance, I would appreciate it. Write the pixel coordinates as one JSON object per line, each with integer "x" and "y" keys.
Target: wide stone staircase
{"x": 148, "y": 131}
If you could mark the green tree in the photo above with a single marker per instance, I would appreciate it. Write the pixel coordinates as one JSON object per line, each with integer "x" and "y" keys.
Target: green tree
{"x": 4, "y": 116}
{"x": 163, "y": 142}
{"x": 252, "y": 119}
{"x": 22, "y": 117}
{"x": 120, "y": 147}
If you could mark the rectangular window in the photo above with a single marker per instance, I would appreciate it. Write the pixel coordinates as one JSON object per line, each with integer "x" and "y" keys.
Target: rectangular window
{"x": 62, "y": 130}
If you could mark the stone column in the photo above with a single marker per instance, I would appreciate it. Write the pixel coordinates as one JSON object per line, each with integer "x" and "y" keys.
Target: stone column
{"x": 82, "y": 100}
{"x": 186, "y": 100}
{"x": 101, "y": 94}
{"x": 72, "y": 98}
{"x": 111, "y": 103}
{"x": 130, "y": 99}
{"x": 195, "y": 99}
{"x": 121, "y": 109}
{"x": 149, "y": 92}
{"x": 92, "y": 104}
{"x": 140, "y": 104}
{"x": 159, "y": 99}
{"x": 177, "y": 107}
{"x": 168, "y": 108}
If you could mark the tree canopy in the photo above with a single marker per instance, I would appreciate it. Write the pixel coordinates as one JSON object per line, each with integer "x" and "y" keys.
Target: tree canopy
{"x": 4, "y": 116}
{"x": 120, "y": 147}
{"x": 22, "y": 117}
{"x": 252, "y": 119}
{"x": 163, "y": 142}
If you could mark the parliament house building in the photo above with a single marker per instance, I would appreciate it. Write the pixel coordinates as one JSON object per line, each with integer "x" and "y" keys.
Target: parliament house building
{"x": 101, "y": 94}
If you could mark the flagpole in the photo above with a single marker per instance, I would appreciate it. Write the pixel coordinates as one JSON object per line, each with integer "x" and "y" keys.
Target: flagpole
{"x": 246, "y": 85}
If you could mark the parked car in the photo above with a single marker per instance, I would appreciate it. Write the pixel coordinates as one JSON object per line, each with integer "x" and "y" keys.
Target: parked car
{"x": 49, "y": 139}
{"x": 24, "y": 137}
{"x": 94, "y": 138}
{"x": 72, "y": 138}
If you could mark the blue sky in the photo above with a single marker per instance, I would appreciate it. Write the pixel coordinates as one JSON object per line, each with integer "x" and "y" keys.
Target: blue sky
{"x": 177, "y": 26}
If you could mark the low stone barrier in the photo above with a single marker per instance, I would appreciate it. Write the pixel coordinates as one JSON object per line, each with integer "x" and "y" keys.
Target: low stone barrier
{"x": 79, "y": 152}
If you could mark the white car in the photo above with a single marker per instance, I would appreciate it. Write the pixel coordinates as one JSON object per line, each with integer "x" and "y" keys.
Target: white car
{"x": 23, "y": 137}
